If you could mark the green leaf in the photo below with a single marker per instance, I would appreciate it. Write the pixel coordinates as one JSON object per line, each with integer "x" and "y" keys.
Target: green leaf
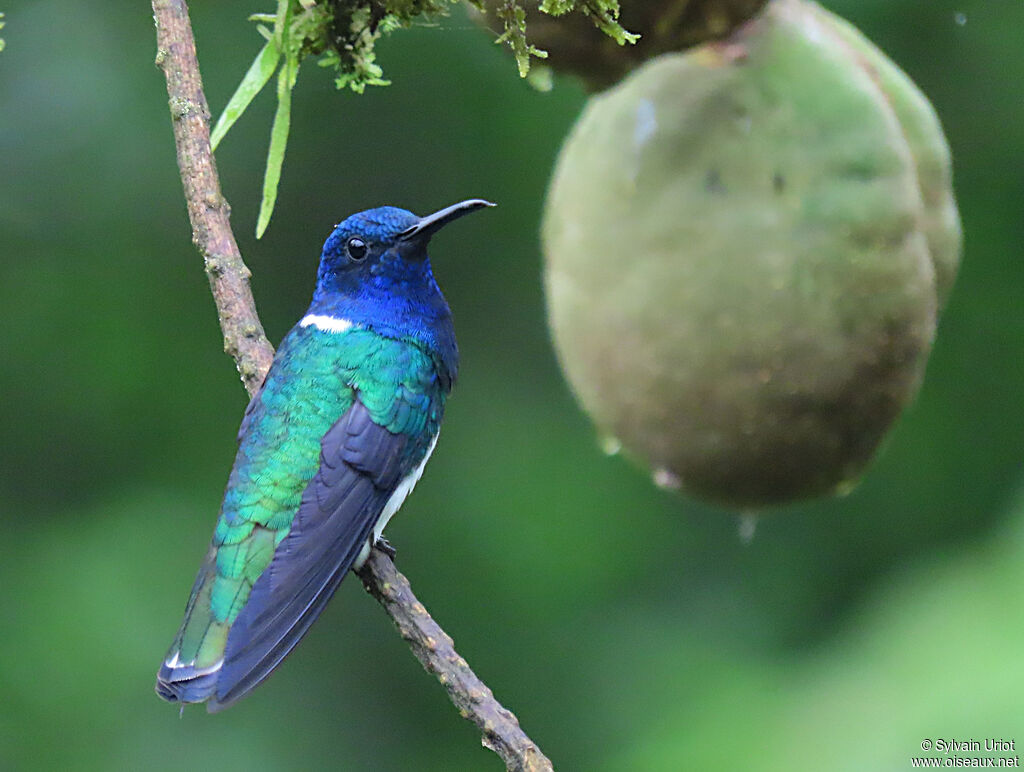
{"x": 255, "y": 79}
{"x": 278, "y": 140}
{"x": 281, "y": 22}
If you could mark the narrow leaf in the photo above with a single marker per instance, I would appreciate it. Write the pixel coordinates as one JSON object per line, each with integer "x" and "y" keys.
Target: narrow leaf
{"x": 284, "y": 8}
{"x": 278, "y": 141}
{"x": 255, "y": 79}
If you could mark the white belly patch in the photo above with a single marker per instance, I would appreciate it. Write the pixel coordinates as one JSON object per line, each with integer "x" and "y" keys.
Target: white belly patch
{"x": 394, "y": 503}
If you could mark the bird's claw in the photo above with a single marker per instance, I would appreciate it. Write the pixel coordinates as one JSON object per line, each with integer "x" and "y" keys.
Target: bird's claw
{"x": 386, "y": 547}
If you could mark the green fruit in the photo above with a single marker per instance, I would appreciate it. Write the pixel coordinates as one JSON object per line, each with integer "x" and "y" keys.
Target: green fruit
{"x": 741, "y": 248}
{"x": 921, "y": 129}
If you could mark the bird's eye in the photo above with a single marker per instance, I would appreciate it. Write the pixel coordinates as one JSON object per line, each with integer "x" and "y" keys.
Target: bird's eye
{"x": 356, "y": 248}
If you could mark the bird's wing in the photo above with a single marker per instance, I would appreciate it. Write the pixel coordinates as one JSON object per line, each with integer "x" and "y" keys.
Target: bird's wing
{"x": 361, "y": 464}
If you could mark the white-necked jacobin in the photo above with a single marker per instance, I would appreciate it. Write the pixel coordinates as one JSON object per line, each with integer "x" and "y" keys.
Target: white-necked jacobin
{"x": 328, "y": 450}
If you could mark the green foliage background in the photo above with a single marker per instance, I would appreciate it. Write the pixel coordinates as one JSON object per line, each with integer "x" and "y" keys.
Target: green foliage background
{"x": 629, "y": 629}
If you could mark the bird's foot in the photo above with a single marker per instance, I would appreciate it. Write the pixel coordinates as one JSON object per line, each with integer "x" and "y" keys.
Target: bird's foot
{"x": 386, "y": 547}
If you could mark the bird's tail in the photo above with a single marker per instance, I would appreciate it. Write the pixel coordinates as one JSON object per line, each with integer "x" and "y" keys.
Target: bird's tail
{"x": 190, "y": 669}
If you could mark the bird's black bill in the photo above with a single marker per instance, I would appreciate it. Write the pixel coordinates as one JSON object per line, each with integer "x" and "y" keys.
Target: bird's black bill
{"x": 429, "y": 225}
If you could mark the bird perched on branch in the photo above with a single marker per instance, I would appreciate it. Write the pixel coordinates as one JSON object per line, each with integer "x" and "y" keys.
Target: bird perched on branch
{"x": 328, "y": 450}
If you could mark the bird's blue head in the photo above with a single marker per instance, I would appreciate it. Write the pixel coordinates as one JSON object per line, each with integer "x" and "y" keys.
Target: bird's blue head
{"x": 374, "y": 272}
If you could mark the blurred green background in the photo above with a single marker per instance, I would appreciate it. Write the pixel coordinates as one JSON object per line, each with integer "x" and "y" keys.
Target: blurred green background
{"x": 629, "y": 629}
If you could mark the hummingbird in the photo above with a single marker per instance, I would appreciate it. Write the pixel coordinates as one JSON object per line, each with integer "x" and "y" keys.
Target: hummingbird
{"x": 328, "y": 450}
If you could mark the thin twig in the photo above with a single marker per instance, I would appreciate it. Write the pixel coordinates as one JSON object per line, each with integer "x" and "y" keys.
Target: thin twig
{"x": 246, "y": 342}
{"x": 434, "y": 648}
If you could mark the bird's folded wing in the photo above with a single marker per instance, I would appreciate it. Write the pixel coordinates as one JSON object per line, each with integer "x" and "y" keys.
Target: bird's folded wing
{"x": 361, "y": 463}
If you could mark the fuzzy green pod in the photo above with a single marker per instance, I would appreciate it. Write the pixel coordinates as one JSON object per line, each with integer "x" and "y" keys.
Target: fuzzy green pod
{"x": 928, "y": 147}
{"x": 741, "y": 249}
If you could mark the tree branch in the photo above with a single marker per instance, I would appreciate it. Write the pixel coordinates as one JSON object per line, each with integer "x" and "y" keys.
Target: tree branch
{"x": 208, "y": 211}
{"x": 435, "y": 649}
{"x": 246, "y": 342}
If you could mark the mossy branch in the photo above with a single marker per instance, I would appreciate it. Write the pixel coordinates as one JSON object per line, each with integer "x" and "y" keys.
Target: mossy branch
{"x": 248, "y": 345}
{"x": 591, "y": 42}
{"x": 344, "y": 33}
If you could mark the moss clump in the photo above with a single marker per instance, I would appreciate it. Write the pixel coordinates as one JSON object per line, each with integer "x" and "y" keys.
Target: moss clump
{"x": 577, "y": 46}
